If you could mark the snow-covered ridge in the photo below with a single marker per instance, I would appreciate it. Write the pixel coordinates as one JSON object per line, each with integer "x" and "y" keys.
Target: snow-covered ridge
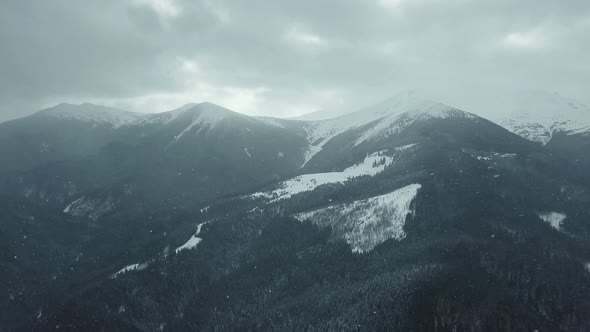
{"x": 395, "y": 124}
{"x": 395, "y": 114}
{"x": 99, "y": 115}
{"x": 542, "y": 131}
{"x": 366, "y": 223}
{"x": 205, "y": 116}
{"x": 373, "y": 164}
{"x": 538, "y": 116}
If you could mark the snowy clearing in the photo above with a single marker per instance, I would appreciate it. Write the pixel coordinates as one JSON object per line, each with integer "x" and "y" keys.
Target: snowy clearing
{"x": 371, "y": 165}
{"x": 366, "y": 223}
{"x": 193, "y": 241}
{"x": 555, "y": 219}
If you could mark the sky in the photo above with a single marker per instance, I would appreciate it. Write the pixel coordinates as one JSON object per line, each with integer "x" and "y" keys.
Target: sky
{"x": 285, "y": 58}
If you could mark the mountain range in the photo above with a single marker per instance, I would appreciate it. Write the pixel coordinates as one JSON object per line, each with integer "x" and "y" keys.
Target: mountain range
{"x": 406, "y": 215}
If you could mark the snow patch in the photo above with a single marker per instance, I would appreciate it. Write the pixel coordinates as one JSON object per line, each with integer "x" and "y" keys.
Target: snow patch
{"x": 129, "y": 268}
{"x": 190, "y": 244}
{"x": 373, "y": 164}
{"x": 69, "y": 207}
{"x": 488, "y": 156}
{"x": 555, "y": 219}
{"x": 92, "y": 208}
{"x": 193, "y": 241}
{"x": 366, "y": 223}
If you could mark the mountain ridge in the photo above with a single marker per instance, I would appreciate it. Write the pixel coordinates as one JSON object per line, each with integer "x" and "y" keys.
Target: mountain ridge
{"x": 400, "y": 207}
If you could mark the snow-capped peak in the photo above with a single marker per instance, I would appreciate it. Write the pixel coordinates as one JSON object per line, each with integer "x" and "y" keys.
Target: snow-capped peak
{"x": 409, "y": 103}
{"x": 93, "y": 114}
{"x": 184, "y": 107}
{"x": 537, "y": 116}
{"x": 204, "y": 115}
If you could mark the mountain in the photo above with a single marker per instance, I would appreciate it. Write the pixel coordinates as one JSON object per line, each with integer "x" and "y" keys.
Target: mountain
{"x": 58, "y": 133}
{"x": 406, "y": 215}
{"x": 560, "y": 123}
{"x": 127, "y": 177}
{"x": 71, "y": 149}
{"x": 538, "y": 116}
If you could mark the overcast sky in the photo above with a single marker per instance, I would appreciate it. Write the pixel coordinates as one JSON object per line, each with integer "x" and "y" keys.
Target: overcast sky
{"x": 285, "y": 58}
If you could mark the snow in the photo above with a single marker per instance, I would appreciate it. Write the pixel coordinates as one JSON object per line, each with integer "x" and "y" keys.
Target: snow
{"x": 247, "y": 153}
{"x": 94, "y": 114}
{"x": 190, "y": 244}
{"x": 366, "y": 223}
{"x": 395, "y": 114}
{"x": 373, "y": 164}
{"x": 555, "y": 219}
{"x": 193, "y": 241}
{"x": 395, "y": 124}
{"x": 488, "y": 156}
{"x": 538, "y": 116}
{"x": 92, "y": 208}
{"x": 183, "y": 108}
{"x": 207, "y": 116}
{"x": 323, "y": 114}
{"x": 129, "y": 268}
{"x": 271, "y": 121}
{"x": 69, "y": 207}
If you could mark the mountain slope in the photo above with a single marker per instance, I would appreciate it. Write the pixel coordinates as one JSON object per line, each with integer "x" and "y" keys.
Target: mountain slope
{"x": 409, "y": 215}
{"x": 451, "y": 227}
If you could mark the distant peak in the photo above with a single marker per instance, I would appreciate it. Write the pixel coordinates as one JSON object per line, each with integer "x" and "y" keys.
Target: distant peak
{"x": 63, "y": 105}
{"x": 199, "y": 107}
{"x": 91, "y": 113}
{"x": 210, "y": 104}
{"x": 186, "y": 106}
{"x": 202, "y": 116}
{"x": 537, "y": 115}
{"x": 410, "y": 101}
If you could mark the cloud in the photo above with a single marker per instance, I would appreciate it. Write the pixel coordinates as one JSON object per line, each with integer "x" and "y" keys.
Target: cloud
{"x": 283, "y": 58}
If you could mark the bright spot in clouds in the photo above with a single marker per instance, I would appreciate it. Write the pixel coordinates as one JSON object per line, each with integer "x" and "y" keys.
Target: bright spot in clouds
{"x": 299, "y": 36}
{"x": 165, "y": 7}
{"x": 524, "y": 40}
